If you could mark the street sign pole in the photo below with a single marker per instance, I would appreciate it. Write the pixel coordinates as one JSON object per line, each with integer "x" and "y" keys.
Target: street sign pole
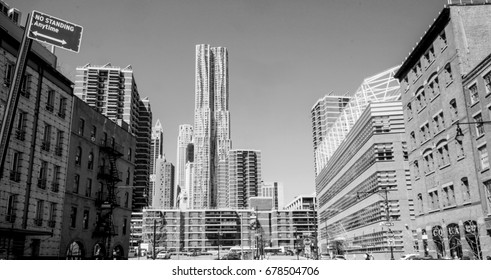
{"x": 13, "y": 97}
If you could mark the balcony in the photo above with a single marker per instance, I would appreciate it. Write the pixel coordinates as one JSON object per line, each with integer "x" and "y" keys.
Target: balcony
{"x": 10, "y": 218}
{"x": 45, "y": 146}
{"x": 58, "y": 150}
{"x": 42, "y": 183}
{"x": 50, "y": 107}
{"x": 38, "y": 222}
{"x": 20, "y": 134}
{"x": 15, "y": 176}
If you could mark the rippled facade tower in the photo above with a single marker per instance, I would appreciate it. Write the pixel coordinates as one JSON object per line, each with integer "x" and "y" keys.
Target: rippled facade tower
{"x": 211, "y": 122}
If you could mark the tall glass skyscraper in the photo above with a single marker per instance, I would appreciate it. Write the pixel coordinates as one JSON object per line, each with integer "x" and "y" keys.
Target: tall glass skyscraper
{"x": 211, "y": 122}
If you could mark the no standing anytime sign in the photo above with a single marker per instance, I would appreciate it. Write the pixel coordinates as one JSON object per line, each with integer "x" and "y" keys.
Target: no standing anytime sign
{"x": 55, "y": 31}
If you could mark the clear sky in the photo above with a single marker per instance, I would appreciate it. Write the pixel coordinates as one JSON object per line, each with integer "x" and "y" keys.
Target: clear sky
{"x": 283, "y": 56}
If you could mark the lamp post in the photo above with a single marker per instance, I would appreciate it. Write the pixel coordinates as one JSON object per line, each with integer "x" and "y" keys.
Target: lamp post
{"x": 459, "y": 135}
{"x": 387, "y": 215}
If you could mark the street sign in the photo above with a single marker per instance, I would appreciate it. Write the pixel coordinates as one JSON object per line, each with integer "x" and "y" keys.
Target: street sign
{"x": 306, "y": 242}
{"x": 55, "y": 31}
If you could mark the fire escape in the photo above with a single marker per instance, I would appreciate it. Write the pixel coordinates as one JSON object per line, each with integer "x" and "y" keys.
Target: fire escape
{"x": 106, "y": 200}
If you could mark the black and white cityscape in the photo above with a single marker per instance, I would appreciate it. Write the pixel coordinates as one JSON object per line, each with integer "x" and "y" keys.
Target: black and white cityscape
{"x": 397, "y": 169}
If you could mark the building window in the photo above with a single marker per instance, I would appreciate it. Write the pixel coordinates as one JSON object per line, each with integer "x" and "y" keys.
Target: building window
{"x": 487, "y": 187}
{"x": 483, "y": 157}
{"x": 443, "y": 154}
{"x": 38, "y": 220}
{"x": 93, "y": 133}
{"x": 479, "y": 125}
{"x": 447, "y": 72}
{"x": 90, "y": 161}
{"x": 125, "y": 222}
{"x": 56, "y": 179}
{"x": 439, "y": 122}
{"x": 85, "y": 221}
{"x": 8, "y": 74}
{"x": 20, "y": 132}
{"x": 43, "y": 175}
{"x": 434, "y": 200}
{"x": 50, "y": 102}
{"x": 88, "y": 189}
{"x": 409, "y": 110}
{"x": 429, "y": 56}
{"x": 16, "y": 166}
{"x": 434, "y": 87}
{"x": 59, "y": 143}
{"x": 126, "y": 199}
{"x": 474, "y": 94}
{"x": 443, "y": 40}
{"x": 76, "y": 183}
{"x": 81, "y": 126}
{"x": 46, "y": 144}
{"x": 11, "y": 208}
{"x": 412, "y": 135}
{"x": 454, "y": 113}
{"x": 128, "y": 177}
{"x": 73, "y": 217}
{"x": 487, "y": 82}
{"x": 421, "y": 99}
{"x": 425, "y": 132}
{"x": 416, "y": 169}
{"x": 62, "y": 107}
{"x": 129, "y": 154}
{"x": 448, "y": 196}
{"x": 420, "y": 203}
{"x": 429, "y": 161}
{"x": 466, "y": 190}
{"x": 384, "y": 152}
{"x": 52, "y": 215}
{"x": 78, "y": 156}
{"x": 460, "y": 149}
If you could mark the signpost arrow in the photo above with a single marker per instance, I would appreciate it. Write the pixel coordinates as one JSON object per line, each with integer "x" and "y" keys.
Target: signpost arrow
{"x": 55, "y": 31}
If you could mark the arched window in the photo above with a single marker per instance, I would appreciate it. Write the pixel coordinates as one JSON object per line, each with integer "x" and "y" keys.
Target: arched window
{"x": 443, "y": 153}
{"x": 75, "y": 251}
{"x": 433, "y": 85}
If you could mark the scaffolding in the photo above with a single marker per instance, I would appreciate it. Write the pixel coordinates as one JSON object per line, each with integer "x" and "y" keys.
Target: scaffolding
{"x": 382, "y": 87}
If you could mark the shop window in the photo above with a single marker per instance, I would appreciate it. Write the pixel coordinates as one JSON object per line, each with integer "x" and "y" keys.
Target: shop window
{"x": 454, "y": 243}
{"x": 437, "y": 233}
{"x": 471, "y": 230}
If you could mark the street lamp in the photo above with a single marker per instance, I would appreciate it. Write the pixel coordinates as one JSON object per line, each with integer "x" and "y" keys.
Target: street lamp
{"x": 219, "y": 234}
{"x": 387, "y": 216}
{"x": 459, "y": 135}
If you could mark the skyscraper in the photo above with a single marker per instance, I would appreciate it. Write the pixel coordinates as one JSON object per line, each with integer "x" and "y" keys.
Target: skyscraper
{"x": 324, "y": 114}
{"x": 163, "y": 194}
{"x": 183, "y": 140}
{"x": 112, "y": 91}
{"x": 211, "y": 122}
{"x": 156, "y": 152}
{"x": 244, "y": 177}
{"x": 273, "y": 190}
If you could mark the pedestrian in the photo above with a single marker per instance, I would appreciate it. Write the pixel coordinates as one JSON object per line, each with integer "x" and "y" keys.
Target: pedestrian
{"x": 367, "y": 256}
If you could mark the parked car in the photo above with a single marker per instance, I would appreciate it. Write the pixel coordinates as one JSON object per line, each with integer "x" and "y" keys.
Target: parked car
{"x": 163, "y": 255}
{"x": 229, "y": 256}
{"x": 411, "y": 257}
{"x": 339, "y": 257}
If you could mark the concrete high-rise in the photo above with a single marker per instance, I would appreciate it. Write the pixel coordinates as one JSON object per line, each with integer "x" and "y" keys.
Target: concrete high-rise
{"x": 183, "y": 140}
{"x": 273, "y": 190}
{"x": 163, "y": 194}
{"x": 156, "y": 152}
{"x": 113, "y": 92}
{"x": 244, "y": 177}
{"x": 211, "y": 122}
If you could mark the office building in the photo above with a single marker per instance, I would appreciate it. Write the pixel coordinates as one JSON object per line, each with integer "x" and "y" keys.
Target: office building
{"x": 275, "y": 191}
{"x": 302, "y": 202}
{"x": 163, "y": 196}
{"x": 112, "y": 91}
{"x": 444, "y": 85}
{"x": 184, "y": 138}
{"x": 156, "y": 152}
{"x": 211, "y": 136}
